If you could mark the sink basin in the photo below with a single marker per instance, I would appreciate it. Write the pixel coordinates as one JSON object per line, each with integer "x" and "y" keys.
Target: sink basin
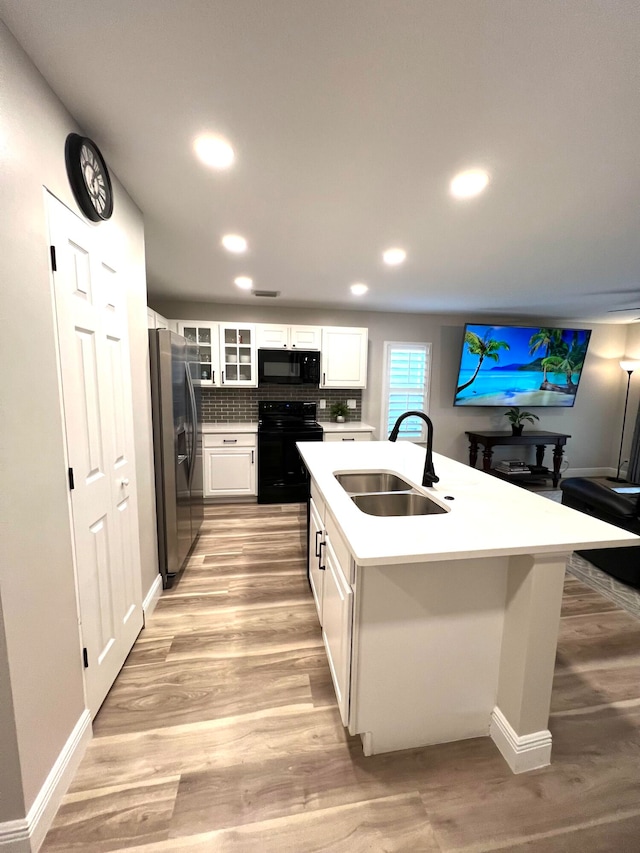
{"x": 397, "y": 503}
{"x": 372, "y": 481}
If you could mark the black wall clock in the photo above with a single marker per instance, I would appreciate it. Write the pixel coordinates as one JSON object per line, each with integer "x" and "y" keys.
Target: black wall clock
{"x": 89, "y": 177}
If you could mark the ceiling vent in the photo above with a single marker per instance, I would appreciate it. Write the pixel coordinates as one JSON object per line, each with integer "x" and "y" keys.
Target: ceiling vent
{"x": 266, "y": 293}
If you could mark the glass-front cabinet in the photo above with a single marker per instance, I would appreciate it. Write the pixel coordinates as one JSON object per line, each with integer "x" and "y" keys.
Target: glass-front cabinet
{"x": 205, "y": 336}
{"x": 238, "y": 354}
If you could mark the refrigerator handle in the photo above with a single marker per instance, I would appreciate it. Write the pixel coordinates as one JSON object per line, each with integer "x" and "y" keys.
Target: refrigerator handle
{"x": 194, "y": 424}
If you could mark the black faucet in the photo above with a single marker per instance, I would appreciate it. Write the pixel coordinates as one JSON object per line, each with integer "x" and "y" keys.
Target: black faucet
{"x": 429, "y": 476}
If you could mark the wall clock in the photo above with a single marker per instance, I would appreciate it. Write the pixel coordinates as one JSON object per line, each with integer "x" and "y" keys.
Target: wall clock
{"x": 89, "y": 177}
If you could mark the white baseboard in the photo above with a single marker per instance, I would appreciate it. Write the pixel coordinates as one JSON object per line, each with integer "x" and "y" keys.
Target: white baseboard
{"x": 152, "y": 598}
{"x": 589, "y": 472}
{"x": 14, "y": 837}
{"x": 26, "y": 835}
{"x": 521, "y": 752}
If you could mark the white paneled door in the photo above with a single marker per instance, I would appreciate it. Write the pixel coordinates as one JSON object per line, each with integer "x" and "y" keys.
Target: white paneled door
{"x": 91, "y": 311}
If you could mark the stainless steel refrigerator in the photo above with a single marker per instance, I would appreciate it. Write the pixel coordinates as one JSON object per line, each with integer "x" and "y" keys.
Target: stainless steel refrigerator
{"x": 176, "y": 401}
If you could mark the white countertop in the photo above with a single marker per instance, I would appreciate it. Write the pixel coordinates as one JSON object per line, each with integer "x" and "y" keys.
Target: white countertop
{"x": 208, "y": 429}
{"x": 348, "y": 426}
{"x": 488, "y": 517}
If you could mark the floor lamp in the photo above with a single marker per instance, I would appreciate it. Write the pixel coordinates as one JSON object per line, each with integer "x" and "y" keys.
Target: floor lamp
{"x": 629, "y": 366}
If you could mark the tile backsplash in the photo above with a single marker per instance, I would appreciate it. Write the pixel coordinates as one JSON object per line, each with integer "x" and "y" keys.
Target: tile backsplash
{"x": 240, "y": 405}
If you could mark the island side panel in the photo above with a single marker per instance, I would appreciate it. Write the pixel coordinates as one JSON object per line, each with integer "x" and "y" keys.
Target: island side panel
{"x": 520, "y": 720}
{"x": 426, "y": 651}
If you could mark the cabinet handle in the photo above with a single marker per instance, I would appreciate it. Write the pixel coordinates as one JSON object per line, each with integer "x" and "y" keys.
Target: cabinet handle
{"x": 213, "y": 376}
{"x": 348, "y": 439}
{"x": 318, "y": 533}
{"x": 229, "y": 440}
{"x": 324, "y": 378}
{"x": 252, "y": 452}
{"x": 320, "y": 566}
{"x": 222, "y": 375}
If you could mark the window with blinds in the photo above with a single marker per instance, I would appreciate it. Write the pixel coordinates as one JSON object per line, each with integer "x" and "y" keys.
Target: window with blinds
{"x": 406, "y": 387}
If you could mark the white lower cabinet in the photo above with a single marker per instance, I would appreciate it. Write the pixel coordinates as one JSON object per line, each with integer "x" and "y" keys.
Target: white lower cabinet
{"x": 337, "y": 624}
{"x": 347, "y": 436}
{"x": 230, "y": 465}
{"x": 316, "y": 553}
{"x": 331, "y": 574}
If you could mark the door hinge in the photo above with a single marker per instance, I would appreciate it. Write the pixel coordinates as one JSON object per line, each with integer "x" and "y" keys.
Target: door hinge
{"x": 85, "y": 658}
{"x": 71, "y": 482}
{"x": 54, "y": 265}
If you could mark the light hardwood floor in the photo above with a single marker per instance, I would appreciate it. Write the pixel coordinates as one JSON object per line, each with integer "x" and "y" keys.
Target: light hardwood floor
{"x": 222, "y": 733}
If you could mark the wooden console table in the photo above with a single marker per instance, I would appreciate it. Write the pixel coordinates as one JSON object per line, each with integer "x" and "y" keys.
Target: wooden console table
{"x": 539, "y": 438}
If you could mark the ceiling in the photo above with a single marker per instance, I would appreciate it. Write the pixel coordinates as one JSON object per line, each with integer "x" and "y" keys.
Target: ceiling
{"x": 349, "y": 118}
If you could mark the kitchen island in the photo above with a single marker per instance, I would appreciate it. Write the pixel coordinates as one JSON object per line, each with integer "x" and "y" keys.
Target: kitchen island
{"x": 442, "y": 627}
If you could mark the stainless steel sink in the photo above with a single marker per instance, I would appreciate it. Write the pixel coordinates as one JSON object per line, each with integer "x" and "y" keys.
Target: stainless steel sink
{"x": 372, "y": 481}
{"x": 397, "y": 503}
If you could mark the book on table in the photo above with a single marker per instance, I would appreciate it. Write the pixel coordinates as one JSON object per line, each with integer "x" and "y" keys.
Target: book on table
{"x": 512, "y": 466}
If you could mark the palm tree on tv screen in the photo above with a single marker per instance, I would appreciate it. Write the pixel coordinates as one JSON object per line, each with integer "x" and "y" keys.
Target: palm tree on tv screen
{"x": 484, "y": 347}
{"x": 547, "y": 338}
{"x": 569, "y": 363}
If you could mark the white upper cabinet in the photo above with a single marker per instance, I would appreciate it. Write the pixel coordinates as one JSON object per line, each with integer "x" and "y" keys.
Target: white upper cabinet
{"x": 305, "y": 337}
{"x": 344, "y": 357}
{"x": 238, "y": 355}
{"x": 288, "y": 337}
{"x": 205, "y": 335}
{"x": 227, "y": 352}
{"x": 157, "y": 321}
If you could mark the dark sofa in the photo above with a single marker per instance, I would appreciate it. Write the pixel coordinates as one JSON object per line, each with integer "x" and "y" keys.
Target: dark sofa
{"x": 622, "y": 510}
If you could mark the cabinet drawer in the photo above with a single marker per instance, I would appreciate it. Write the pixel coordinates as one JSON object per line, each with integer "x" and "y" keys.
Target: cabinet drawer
{"x": 347, "y": 436}
{"x": 231, "y": 439}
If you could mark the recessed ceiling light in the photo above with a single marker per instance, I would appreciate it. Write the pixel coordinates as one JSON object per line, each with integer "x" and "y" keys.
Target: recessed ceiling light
{"x": 359, "y": 289}
{"x": 214, "y": 151}
{"x": 393, "y": 257}
{"x": 469, "y": 183}
{"x": 244, "y": 282}
{"x": 234, "y": 243}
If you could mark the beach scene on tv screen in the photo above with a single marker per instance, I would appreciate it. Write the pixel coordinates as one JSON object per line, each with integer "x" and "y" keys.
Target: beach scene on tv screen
{"x": 520, "y": 366}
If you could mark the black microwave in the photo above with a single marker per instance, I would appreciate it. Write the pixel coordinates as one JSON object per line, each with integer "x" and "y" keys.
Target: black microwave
{"x": 288, "y": 367}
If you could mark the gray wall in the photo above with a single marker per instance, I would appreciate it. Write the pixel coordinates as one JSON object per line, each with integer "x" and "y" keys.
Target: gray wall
{"x": 41, "y": 684}
{"x": 594, "y": 422}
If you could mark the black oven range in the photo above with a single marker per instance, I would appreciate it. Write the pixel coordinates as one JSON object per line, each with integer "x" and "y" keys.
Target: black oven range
{"x": 282, "y": 476}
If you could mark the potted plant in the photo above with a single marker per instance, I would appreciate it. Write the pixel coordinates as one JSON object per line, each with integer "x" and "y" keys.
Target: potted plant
{"x": 517, "y": 418}
{"x": 339, "y": 412}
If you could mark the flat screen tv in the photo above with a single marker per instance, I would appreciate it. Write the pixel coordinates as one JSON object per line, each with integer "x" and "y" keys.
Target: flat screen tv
{"x": 520, "y": 365}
